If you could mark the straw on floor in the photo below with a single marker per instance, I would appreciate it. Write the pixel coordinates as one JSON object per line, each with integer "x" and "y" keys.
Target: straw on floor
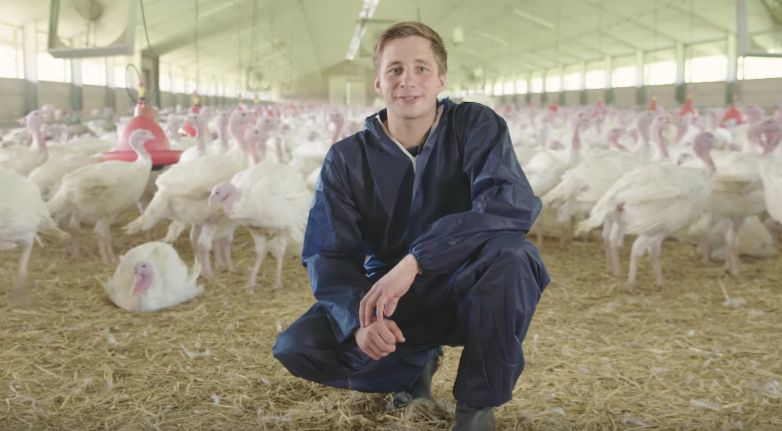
{"x": 703, "y": 353}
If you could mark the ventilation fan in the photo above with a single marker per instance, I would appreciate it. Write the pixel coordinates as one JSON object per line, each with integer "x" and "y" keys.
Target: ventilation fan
{"x": 473, "y": 75}
{"x": 469, "y": 76}
{"x": 91, "y": 28}
{"x": 255, "y": 80}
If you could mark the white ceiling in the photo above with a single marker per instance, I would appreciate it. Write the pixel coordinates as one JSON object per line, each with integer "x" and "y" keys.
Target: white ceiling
{"x": 301, "y": 41}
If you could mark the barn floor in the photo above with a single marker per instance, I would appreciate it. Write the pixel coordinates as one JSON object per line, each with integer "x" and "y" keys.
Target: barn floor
{"x": 599, "y": 357}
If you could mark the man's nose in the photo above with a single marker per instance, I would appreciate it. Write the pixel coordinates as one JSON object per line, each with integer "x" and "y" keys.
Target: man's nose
{"x": 407, "y": 78}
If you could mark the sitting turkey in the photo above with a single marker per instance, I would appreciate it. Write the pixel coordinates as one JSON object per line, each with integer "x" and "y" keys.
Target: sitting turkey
{"x": 151, "y": 277}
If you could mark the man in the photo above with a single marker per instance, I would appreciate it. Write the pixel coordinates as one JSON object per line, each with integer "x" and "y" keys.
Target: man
{"x": 416, "y": 239}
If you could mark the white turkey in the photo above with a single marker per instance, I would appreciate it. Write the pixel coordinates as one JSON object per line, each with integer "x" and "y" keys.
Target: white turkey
{"x": 738, "y": 199}
{"x": 270, "y": 200}
{"x": 100, "y": 193}
{"x": 183, "y": 191}
{"x": 581, "y": 187}
{"x": 222, "y": 144}
{"x": 737, "y": 194}
{"x": 769, "y": 133}
{"x": 22, "y": 214}
{"x": 755, "y": 239}
{"x": 309, "y": 155}
{"x": 652, "y": 202}
{"x": 199, "y": 149}
{"x": 86, "y": 146}
{"x": 151, "y": 277}
{"x": 312, "y": 179}
{"x": 49, "y": 175}
{"x": 545, "y": 170}
{"x": 23, "y": 159}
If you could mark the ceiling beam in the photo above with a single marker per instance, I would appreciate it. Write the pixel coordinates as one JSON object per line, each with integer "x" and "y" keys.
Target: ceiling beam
{"x": 701, "y": 18}
{"x": 527, "y": 59}
{"x": 310, "y": 36}
{"x": 217, "y": 62}
{"x": 618, "y": 40}
{"x": 625, "y": 19}
{"x": 540, "y": 53}
{"x": 185, "y": 38}
{"x": 539, "y": 50}
{"x": 222, "y": 22}
{"x": 527, "y": 56}
{"x": 524, "y": 64}
{"x": 578, "y": 50}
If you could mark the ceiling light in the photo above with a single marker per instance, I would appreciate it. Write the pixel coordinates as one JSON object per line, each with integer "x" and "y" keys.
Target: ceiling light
{"x": 466, "y": 50}
{"x": 366, "y": 13}
{"x": 534, "y": 18}
{"x": 491, "y": 37}
{"x": 210, "y": 12}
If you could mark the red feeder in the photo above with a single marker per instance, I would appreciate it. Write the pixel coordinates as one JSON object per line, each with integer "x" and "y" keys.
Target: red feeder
{"x": 187, "y": 129}
{"x": 688, "y": 108}
{"x": 653, "y": 104}
{"x": 158, "y": 148}
{"x": 600, "y": 109}
{"x": 732, "y": 114}
{"x": 196, "y": 107}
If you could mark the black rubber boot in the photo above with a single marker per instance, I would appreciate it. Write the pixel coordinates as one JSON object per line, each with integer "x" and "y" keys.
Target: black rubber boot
{"x": 470, "y": 419}
{"x": 421, "y": 388}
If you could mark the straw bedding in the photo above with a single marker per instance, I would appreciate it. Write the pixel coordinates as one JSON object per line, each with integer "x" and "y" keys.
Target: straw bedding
{"x": 703, "y": 353}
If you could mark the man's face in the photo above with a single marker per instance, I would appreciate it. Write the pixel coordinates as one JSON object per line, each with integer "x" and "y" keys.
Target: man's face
{"x": 408, "y": 78}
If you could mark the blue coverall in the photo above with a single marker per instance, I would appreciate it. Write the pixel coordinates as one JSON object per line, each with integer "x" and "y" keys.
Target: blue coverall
{"x": 462, "y": 207}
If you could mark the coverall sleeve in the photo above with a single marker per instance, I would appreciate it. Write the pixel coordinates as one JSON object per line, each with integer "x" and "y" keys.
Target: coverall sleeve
{"x": 502, "y": 199}
{"x": 334, "y": 250}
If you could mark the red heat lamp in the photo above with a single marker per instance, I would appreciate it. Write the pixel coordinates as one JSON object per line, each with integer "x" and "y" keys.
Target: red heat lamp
{"x": 144, "y": 118}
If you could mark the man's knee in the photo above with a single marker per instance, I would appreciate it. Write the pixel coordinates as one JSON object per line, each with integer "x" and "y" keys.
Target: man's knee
{"x": 310, "y": 333}
{"x": 284, "y": 349}
{"x": 515, "y": 256}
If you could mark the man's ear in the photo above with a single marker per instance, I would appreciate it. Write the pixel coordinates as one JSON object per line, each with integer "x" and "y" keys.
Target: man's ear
{"x": 441, "y": 78}
{"x": 377, "y": 86}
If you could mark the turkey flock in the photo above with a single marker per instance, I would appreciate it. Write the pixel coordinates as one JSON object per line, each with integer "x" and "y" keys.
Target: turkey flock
{"x": 703, "y": 179}
{"x": 710, "y": 179}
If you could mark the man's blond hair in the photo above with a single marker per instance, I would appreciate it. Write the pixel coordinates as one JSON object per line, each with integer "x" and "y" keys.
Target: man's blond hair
{"x": 407, "y": 29}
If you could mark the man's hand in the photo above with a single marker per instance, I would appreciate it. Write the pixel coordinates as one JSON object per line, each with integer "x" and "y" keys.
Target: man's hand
{"x": 379, "y": 338}
{"x": 382, "y": 299}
